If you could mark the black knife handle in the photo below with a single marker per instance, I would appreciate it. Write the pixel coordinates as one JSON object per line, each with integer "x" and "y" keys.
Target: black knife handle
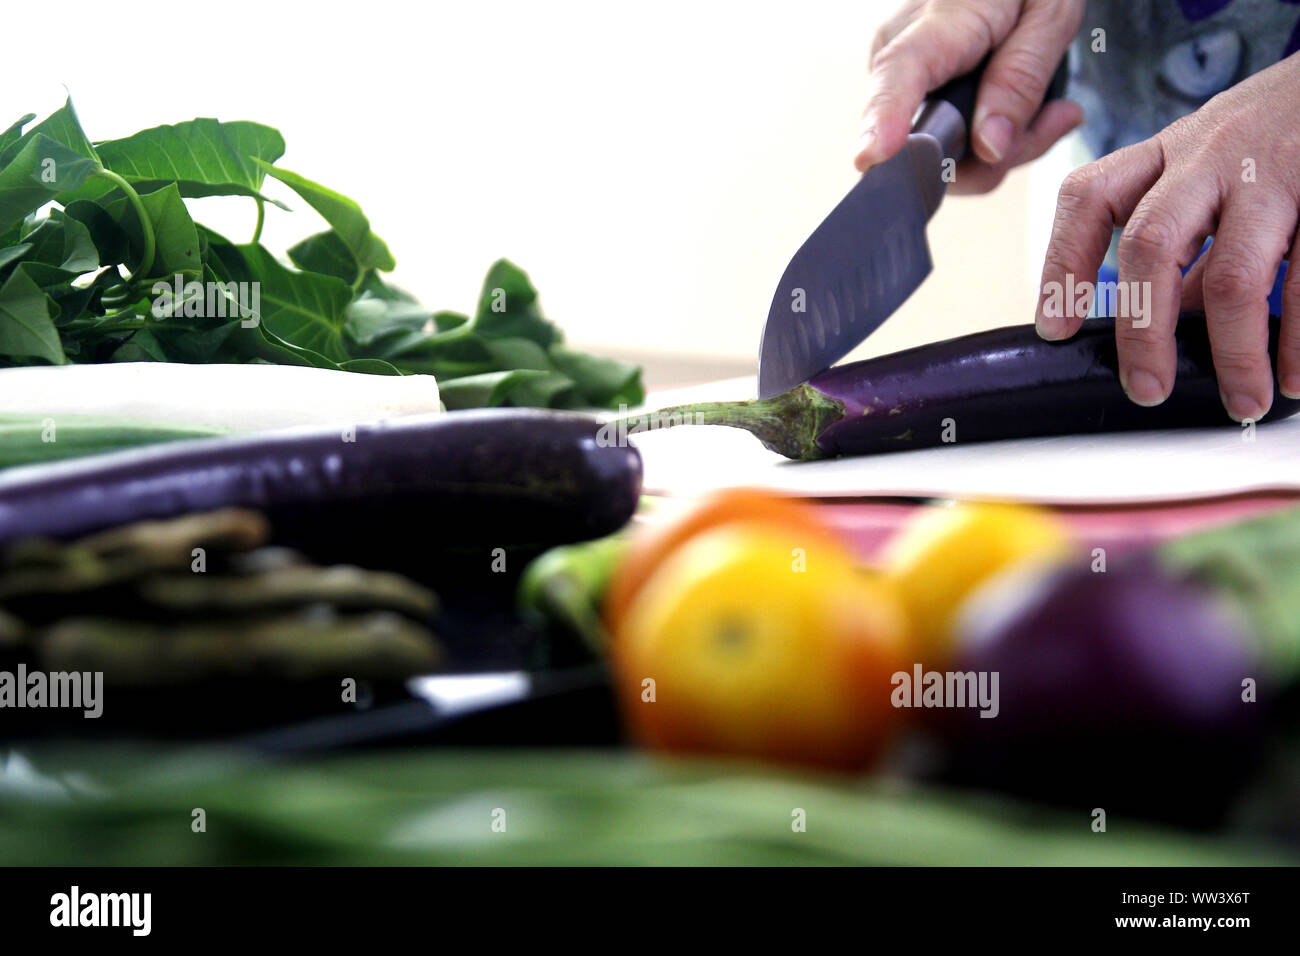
{"x": 962, "y": 90}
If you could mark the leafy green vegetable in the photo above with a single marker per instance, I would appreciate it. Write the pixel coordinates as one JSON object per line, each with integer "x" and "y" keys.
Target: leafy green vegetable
{"x": 327, "y": 254}
{"x": 176, "y": 240}
{"x": 304, "y": 308}
{"x": 41, "y": 170}
{"x": 121, "y": 806}
{"x": 26, "y": 320}
{"x": 61, "y": 126}
{"x": 14, "y": 132}
{"x": 203, "y": 157}
{"x": 123, "y": 272}
{"x": 521, "y": 386}
{"x": 351, "y": 227}
{"x": 63, "y": 244}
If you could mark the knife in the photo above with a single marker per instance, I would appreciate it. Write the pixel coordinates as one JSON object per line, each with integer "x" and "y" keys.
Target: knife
{"x": 870, "y": 253}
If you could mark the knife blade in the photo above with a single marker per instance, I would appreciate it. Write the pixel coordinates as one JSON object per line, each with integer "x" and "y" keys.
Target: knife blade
{"x": 870, "y": 254}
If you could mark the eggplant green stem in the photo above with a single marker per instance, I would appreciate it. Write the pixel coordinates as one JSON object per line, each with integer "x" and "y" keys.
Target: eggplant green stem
{"x": 146, "y": 225}
{"x": 788, "y": 424}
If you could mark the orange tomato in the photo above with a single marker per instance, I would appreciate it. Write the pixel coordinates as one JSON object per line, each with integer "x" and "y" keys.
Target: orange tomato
{"x": 733, "y": 646}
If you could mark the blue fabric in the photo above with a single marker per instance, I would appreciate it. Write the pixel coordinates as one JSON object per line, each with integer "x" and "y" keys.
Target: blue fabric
{"x": 1110, "y": 274}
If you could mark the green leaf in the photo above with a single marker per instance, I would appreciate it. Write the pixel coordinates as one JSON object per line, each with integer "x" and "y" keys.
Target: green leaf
{"x": 39, "y": 171}
{"x": 522, "y": 387}
{"x": 13, "y": 254}
{"x": 238, "y": 332}
{"x": 305, "y": 309}
{"x": 95, "y": 335}
{"x": 507, "y": 307}
{"x": 111, "y": 240}
{"x": 185, "y": 340}
{"x": 343, "y": 214}
{"x": 14, "y": 132}
{"x": 203, "y": 157}
{"x": 177, "y": 249}
{"x": 374, "y": 285}
{"x": 509, "y": 353}
{"x": 261, "y": 344}
{"x": 74, "y": 300}
{"x": 602, "y": 382}
{"x": 26, "y": 320}
{"x": 141, "y": 347}
{"x": 445, "y": 355}
{"x": 64, "y": 243}
{"x": 446, "y": 321}
{"x": 327, "y": 254}
{"x": 373, "y": 323}
{"x": 61, "y": 126}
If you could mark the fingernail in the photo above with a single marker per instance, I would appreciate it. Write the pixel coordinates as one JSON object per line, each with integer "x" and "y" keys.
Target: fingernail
{"x": 1242, "y": 407}
{"x": 1142, "y": 387}
{"x": 867, "y": 139}
{"x": 996, "y": 134}
{"x": 1050, "y": 327}
{"x": 1290, "y": 386}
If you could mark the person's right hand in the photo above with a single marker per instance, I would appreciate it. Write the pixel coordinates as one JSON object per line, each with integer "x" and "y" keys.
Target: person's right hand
{"x": 928, "y": 42}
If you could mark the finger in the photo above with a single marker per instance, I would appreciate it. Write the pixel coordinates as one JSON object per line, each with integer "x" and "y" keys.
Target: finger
{"x": 1288, "y": 343}
{"x": 1242, "y": 263}
{"x": 1058, "y": 118}
{"x": 926, "y": 54}
{"x": 895, "y": 25}
{"x": 1017, "y": 76}
{"x": 1092, "y": 201}
{"x": 1162, "y": 236}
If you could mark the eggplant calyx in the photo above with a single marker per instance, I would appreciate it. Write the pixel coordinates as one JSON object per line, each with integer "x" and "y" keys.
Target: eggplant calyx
{"x": 788, "y": 424}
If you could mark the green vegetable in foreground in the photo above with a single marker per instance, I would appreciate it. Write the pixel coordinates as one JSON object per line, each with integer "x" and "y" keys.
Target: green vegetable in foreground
{"x": 129, "y": 604}
{"x": 102, "y": 261}
{"x": 564, "y": 585}
{"x": 26, "y": 440}
{"x": 566, "y": 807}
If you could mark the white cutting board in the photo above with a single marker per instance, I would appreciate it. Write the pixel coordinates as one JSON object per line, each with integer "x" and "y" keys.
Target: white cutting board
{"x": 1080, "y": 469}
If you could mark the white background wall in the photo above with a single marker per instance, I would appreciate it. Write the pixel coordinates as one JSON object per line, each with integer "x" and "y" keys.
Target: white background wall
{"x": 652, "y": 165}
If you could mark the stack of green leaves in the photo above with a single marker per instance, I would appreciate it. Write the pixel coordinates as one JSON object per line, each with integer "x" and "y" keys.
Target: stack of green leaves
{"x": 90, "y": 235}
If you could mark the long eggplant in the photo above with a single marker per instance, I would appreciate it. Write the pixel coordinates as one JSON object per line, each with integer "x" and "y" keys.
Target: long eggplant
{"x": 487, "y": 478}
{"x": 1004, "y": 383}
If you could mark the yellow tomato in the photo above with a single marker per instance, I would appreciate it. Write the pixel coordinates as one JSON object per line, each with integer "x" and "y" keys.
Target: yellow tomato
{"x": 731, "y": 505}
{"x": 743, "y": 642}
{"x": 947, "y": 552}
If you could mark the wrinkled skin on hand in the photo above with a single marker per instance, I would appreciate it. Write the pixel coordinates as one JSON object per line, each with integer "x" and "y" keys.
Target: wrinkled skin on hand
{"x": 1230, "y": 170}
{"x": 928, "y": 42}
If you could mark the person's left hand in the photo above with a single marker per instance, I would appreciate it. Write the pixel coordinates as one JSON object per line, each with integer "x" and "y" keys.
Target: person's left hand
{"x": 1230, "y": 170}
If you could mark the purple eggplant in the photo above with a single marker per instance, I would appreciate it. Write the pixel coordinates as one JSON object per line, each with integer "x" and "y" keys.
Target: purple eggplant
{"x": 1120, "y": 689}
{"x": 407, "y": 487}
{"x": 1004, "y": 383}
